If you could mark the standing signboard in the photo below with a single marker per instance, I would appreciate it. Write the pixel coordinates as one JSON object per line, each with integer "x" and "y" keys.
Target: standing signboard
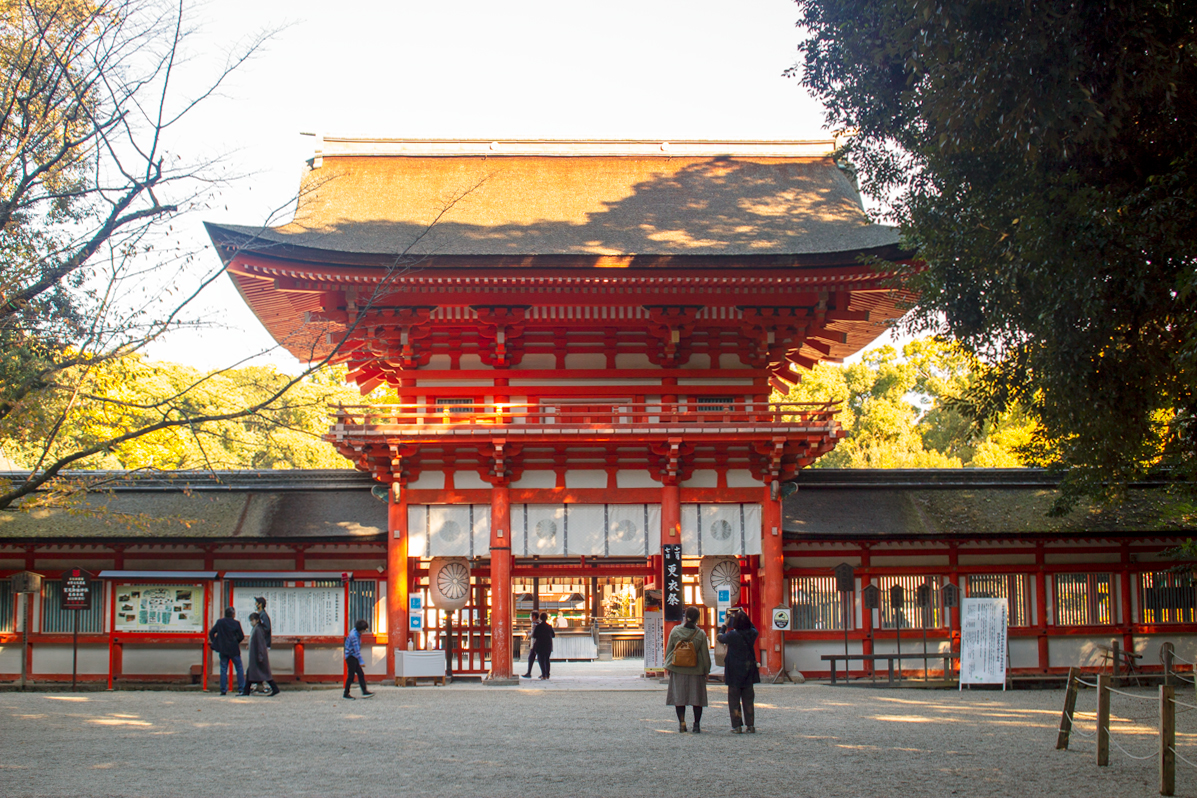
{"x": 672, "y": 565}
{"x": 76, "y": 596}
{"x": 983, "y": 624}
{"x": 415, "y": 613}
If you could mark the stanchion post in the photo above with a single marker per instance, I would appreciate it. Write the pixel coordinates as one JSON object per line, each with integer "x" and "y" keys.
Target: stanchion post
{"x": 1167, "y": 648}
{"x": 1116, "y": 656}
{"x": 1069, "y": 709}
{"x": 1103, "y": 719}
{"x": 1167, "y": 740}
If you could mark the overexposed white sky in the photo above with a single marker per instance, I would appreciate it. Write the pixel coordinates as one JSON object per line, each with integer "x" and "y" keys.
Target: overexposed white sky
{"x": 652, "y": 69}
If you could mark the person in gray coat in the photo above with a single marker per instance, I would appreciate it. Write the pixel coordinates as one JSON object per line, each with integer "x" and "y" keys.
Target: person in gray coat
{"x": 258, "y": 668}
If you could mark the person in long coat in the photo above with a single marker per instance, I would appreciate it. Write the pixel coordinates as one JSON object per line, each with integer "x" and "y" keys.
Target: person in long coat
{"x": 688, "y": 684}
{"x": 740, "y": 671}
{"x": 258, "y": 668}
{"x": 542, "y": 644}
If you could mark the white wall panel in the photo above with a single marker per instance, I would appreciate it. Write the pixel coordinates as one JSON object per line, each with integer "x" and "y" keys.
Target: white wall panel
{"x": 690, "y": 545}
{"x": 702, "y": 478}
{"x": 742, "y": 478}
{"x": 719, "y": 527}
{"x": 469, "y": 480}
{"x": 428, "y": 480}
{"x": 481, "y": 547}
{"x": 536, "y": 479}
{"x": 448, "y": 530}
{"x": 585, "y": 529}
{"x": 629, "y": 478}
{"x": 626, "y": 530}
{"x": 545, "y": 529}
{"x": 590, "y": 478}
{"x": 417, "y": 530}
{"x": 654, "y": 529}
{"x": 752, "y": 529}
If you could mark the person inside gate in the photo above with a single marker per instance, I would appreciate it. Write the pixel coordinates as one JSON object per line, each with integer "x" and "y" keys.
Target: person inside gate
{"x": 688, "y": 660}
{"x": 542, "y": 637}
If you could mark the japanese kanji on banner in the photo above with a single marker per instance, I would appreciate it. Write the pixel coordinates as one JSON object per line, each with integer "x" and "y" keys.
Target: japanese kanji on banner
{"x": 674, "y": 604}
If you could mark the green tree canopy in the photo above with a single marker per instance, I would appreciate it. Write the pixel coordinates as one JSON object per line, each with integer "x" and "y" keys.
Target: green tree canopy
{"x": 1039, "y": 158}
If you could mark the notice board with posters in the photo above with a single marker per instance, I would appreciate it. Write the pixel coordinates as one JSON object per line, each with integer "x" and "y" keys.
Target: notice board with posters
{"x": 160, "y": 608}
{"x": 983, "y": 651}
{"x": 295, "y": 611}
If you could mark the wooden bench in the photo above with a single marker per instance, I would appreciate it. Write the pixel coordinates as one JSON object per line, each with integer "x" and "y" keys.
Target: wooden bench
{"x": 946, "y": 656}
{"x": 413, "y": 681}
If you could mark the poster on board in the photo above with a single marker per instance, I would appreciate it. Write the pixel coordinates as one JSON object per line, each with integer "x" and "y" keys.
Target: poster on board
{"x": 295, "y": 611}
{"x": 654, "y": 640}
{"x": 160, "y": 608}
{"x": 983, "y": 641}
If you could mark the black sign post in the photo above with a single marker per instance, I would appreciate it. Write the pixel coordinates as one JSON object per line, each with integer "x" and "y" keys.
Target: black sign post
{"x": 845, "y": 582}
{"x": 922, "y": 599}
{"x": 672, "y": 595}
{"x": 76, "y": 596}
{"x": 897, "y": 600}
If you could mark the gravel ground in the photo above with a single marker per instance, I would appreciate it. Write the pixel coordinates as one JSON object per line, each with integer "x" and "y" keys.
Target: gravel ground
{"x": 470, "y": 740}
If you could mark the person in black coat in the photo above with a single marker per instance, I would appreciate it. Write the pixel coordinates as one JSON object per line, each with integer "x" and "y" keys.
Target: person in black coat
{"x": 259, "y": 659}
{"x": 542, "y": 644}
{"x": 226, "y": 636}
{"x": 740, "y": 671}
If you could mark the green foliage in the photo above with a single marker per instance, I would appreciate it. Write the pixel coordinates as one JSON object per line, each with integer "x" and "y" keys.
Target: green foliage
{"x": 1039, "y": 158}
{"x": 898, "y": 412}
{"x": 133, "y": 392}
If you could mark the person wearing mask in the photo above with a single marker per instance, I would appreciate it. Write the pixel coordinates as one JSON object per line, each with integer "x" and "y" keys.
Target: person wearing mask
{"x": 353, "y": 659}
{"x": 688, "y": 660}
{"x": 259, "y": 659}
{"x": 740, "y": 671}
{"x": 542, "y": 643}
{"x": 226, "y": 636}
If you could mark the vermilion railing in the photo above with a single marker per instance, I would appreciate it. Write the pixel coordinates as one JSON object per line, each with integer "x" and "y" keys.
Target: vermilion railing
{"x": 639, "y": 416}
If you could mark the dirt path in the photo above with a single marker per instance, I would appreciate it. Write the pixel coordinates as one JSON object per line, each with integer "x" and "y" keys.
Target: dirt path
{"x": 472, "y": 741}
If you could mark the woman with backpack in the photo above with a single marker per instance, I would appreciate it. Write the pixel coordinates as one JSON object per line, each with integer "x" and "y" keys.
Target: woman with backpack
{"x": 688, "y": 660}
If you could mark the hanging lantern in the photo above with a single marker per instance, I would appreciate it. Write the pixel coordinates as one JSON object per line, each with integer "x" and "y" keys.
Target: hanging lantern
{"x": 449, "y": 583}
{"x": 717, "y": 572}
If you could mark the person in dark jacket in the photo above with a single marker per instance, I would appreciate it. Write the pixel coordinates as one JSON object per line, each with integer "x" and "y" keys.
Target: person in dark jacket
{"x": 226, "y": 636}
{"x": 259, "y": 659}
{"x": 740, "y": 671}
{"x": 542, "y": 644}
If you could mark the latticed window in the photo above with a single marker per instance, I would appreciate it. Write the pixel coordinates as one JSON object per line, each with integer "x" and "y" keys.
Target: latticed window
{"x": 1166, "y": 597}
{"x": 1083, "y": 599}
{"x": 715, "y": 404}
{"x": 6, "y": 606}
{"x": 362, "y": 600}
{"x": 455, "y": 405}
{"x": 817, "y": 604}
{"x": 56, "y": 620}
{"x": 908, "y": 614}
{"x": 1014, "y": 588}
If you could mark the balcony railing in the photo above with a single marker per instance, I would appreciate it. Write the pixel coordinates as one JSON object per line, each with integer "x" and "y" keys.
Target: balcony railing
{"x": 642, "y": 417}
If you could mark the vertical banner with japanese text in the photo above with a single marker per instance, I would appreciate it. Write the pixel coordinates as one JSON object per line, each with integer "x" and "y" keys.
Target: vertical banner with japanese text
{"x": 672, "y": 563}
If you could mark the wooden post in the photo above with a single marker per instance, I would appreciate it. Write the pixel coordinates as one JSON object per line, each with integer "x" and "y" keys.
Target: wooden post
{"x": 1103, "y": 719}
{"x": 1167, "y": 651}
{"x": 1116, "y": 656}
{"x": 1069, "y": 710}
{"x": 500, "y": 583}
{"x": 1167, "y": 740}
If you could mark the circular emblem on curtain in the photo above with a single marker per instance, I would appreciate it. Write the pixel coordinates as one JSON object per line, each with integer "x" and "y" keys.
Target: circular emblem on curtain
{"x": 721, "y": 530}
{"x": 623, "y": 530}
{"x": 449, "y": 582}
{"x": 450, "y": 532}
{"x": 546, "y": 529}
{"x": 717, "y": 572}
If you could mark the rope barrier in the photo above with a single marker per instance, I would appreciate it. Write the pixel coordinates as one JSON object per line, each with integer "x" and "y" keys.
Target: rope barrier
{"x": 1132, "y": 695}
{"x": 1184, "y": 679}
{"x": 1078, "y": 729}
{"x": 1087, "y": 684}
{"x": 1177, "y": 657}
{"x": 1128, "y": 753}
{"x": 1183, "y": 704}
{"x": 1181, "y": 758}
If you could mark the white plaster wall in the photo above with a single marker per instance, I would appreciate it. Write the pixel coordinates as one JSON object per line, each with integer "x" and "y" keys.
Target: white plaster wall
{"x": 57, "y": 659}
{"x": 1024, "y": 652}
{"x": 468, "y": 480}
{"x": 909, "y": 646}
{"x": 324, "y": 660}
{"x": 634, "y": 360}
{"x": 10, "y": 658}
{"x": 742, "y": 478}
{"x": 628, "y": 478}
{"x": 539, "y": 361}
{"x": 714, "y": 381}
{"x": 161, "y": 660}
{"x": 586, "y": 360}
{"x": 536, "y": 479}
{"x": 805, "y": 654}
{"x": 376, "y": 660}
{"x": 589, "y": 478}
{"x": 473, "y": 361}
{"x": 429, "y": 480}
{"x": 731, "y": 361}
{"x": 138, "y": 564}
{"x": 342, "y": 565}
{"x": 930, "y": 560}
{"x": 698, "y": 361}
{"x": 802, "y": 561}
{"x": 1068, "y": 652}
{"x": 1062, "y": 557}
{"x": 974, "y": 560}
{"x": 702, "y": 478}
{"x": 439, "y": 363}
{"x": 1149, "y": 647}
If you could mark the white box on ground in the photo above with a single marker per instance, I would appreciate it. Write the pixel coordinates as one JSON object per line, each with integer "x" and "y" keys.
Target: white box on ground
{"x": 419, "y": 664}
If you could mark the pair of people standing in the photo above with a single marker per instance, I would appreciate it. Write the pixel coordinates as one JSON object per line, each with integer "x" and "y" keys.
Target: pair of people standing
{"x": 688, "y": 660}
{"x": 226, "y": 636}
{"x": 541, "y": 650}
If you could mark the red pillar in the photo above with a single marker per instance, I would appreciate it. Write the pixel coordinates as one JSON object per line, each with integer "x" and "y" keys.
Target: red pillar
{"x": 671, "y": 533}
{"x": 397, "y": 585}
{"x": 500, "y": 583}
{"x": 772, "y": 584}
{"x": 1041, "y": 607}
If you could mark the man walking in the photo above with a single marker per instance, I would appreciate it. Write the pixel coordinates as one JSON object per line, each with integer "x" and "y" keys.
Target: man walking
{"x": 226, "y": 636}
{"x": 353, "y": 659}
{"x": 542, "y": 644}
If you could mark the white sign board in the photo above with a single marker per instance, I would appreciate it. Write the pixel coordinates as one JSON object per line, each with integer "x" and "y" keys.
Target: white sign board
{"x": 295, "y": 611}
{"x": 983, "y": 641}
{"x": 415, "y": 613}
{"x": 160, "y": 608}
{"x": 654, "y": 640}
{"x": 781, "y": 619}
{"x": 723, "y": 604}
